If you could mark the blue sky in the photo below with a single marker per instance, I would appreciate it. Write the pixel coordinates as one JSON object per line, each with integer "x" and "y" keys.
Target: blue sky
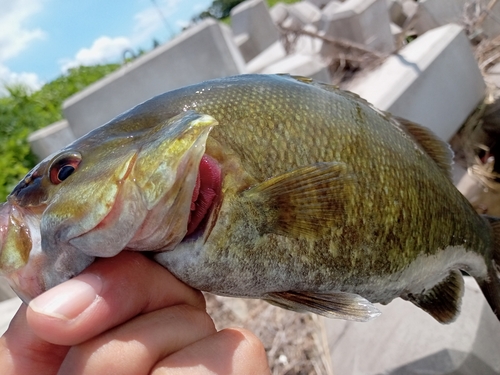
{"x": 39, "y": 39}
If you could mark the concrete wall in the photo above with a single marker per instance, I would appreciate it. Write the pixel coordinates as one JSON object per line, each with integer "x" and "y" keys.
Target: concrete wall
{"x": 253, "y": 28}
{"x": 434, "y": 81}
{"x": 362, "y": 21}
{"x": 405, "y": 340}
{"x": 50, "y": 139}
{"x": 204, "y": 52}
{"x": 435, "y": 13}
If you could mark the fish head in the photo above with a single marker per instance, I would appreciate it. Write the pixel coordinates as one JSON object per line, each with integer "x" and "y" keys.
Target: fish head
{"x": 112, "y": 189}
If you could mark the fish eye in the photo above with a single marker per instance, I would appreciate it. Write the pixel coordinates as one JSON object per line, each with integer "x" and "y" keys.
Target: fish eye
{"x": 63, "y": 167}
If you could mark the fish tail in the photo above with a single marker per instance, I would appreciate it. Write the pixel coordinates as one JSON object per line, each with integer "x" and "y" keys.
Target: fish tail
{"x": 491, "y": 285}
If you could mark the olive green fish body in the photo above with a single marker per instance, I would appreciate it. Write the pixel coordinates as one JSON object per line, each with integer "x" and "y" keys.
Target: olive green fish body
{"x": 259, "y": 186}
{"x": 396, "y": 203}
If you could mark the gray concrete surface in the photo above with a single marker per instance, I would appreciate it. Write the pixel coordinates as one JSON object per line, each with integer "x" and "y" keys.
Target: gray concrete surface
{"x": 434, "y": 81}
{"x": 362, "y": 21}
{"x": 435, "y": 13}
{"x": 301, "y": 65}
{"x": 50, "y": 139}
{"x": 253, "y": 28}
{"x": 6, "y": 291}
{"x": 405, "y": 340}
{"x": 306, "y": 13}
{"x": 8, "y": 309}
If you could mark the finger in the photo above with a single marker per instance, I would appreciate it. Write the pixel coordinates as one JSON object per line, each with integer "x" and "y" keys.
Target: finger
{"x": 108, "y": 293}
{"x": 138, "y": 345}
{"x": 230, "y": 351}
{"x": 22, "y": 352}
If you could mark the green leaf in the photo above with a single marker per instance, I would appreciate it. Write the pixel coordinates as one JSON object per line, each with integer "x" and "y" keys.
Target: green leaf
{"x": 22, "y": 112}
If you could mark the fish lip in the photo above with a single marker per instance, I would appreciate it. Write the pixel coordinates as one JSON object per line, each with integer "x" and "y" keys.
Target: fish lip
{"x": 24, "y": 277}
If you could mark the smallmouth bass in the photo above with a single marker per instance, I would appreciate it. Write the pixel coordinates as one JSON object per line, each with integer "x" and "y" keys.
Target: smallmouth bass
{"x": 271, "y": 187}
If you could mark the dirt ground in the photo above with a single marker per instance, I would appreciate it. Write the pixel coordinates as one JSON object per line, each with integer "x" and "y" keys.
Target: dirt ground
{"x": 295, "y": 343}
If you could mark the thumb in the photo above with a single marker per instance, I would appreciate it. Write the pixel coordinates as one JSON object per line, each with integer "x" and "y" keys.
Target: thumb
{"x": 23, "y": 352}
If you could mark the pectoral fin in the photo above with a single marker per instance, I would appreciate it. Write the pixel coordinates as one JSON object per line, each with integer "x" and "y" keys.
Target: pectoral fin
{"x": 304, "y": 202}
{"x": 336, "y": 305}
{"x": 442, "y": 301}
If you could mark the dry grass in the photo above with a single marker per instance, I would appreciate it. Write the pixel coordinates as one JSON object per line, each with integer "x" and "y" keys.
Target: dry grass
{"x": 295, "y": 343}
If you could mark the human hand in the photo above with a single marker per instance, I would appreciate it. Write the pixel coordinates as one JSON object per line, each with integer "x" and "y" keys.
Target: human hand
{"x": 125, "y": 315}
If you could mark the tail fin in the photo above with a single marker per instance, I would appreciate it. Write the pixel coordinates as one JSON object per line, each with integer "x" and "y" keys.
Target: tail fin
{"x": 491, "y": 286}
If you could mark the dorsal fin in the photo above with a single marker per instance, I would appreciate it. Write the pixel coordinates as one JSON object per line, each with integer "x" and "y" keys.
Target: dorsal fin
{"x": 437, "y": 149}
{"x": 443, "y": 300}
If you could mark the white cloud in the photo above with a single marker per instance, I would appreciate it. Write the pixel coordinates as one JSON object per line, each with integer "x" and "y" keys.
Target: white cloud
{"x": 16, "y": 37}
{"x": 147, "y": 23}
{"x": 103, "y": 50}
{"x": 31, "y": 80}
{"x": 152, "y": 19}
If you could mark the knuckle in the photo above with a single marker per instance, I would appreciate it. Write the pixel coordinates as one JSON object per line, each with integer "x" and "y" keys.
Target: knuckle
{"x": 193, "y": 316}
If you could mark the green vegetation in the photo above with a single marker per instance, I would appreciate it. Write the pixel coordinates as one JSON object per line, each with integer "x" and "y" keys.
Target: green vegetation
{"x": 220, "y": 9}
{"x": 23, "y": 112}
{"x": 272, "y": 3}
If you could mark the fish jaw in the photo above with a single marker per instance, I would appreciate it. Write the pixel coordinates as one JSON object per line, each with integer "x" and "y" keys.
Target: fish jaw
{"x": 168, "y": 214}
{"x": 29, "y": 270}
{"x": 21, "y": 258}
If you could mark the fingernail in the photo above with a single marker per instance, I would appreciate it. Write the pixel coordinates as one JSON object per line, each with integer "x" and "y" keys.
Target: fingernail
{"x": 69, "y": 299}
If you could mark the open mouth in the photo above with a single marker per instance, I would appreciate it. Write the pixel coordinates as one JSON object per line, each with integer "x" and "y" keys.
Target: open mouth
{"x": 205, "y": 195}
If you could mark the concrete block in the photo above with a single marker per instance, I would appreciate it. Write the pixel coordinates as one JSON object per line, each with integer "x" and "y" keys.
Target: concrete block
{"x": 202, "y": 52}
{"x": 50, "y": 139}
{"x": 6, "y": 291}
{"x": 405, "y": 340}
{"x": 320, "y": 3}
{"x": 327, "y": 14}
{"x": 279, "y": 13}
{"x": 396, "y": 30}
{"x": 435, "y": 13}
{"x": 8, "y": 309}
{"x": 306, "y": 13}
{"x": 292, "y": 23}
{"x": 491, "y": 24}
{"x": 410, "y": 8}
{"x": 308, "y": 45}
{"x": 269, "y": 56}
{"x": 362, "y": 21}
{"x": 331, "y": 8}
{"x": 425, "y": 84}
{"x": 396, "y": 12}
{"x": 302, "y": 65}
{"x": 252, "y": 18}
{"x": 492, "y": 76}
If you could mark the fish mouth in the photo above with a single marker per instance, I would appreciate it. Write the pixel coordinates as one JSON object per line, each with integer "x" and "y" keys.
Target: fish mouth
{"x": 193, "y": 202}
{"x": 206, "y": 196}
{"x": 21, "y": 256}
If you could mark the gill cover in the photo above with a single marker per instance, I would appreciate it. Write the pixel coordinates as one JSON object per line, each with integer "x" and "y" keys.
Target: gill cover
{"x": 100, "y": 208}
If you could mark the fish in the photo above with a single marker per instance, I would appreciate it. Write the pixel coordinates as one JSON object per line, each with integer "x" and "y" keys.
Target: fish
{"x": 274, "y": 187}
